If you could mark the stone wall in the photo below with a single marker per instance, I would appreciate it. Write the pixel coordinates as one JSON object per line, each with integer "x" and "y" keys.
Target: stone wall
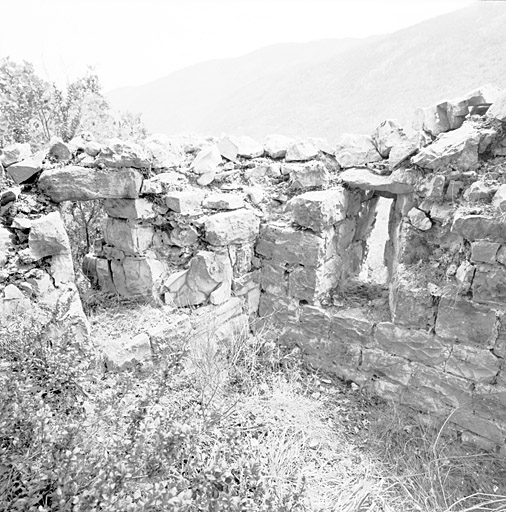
{"x": 280, "y": 232}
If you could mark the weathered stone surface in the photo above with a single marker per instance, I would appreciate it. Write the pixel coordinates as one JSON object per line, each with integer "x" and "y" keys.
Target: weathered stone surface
{"x": 276, "y": 146}
{"x": 435, "y": 188}
{"x": 6, "y": 244}
{"x": 415, "y": 345}
{"x": 433, "y": 119}
{"x": 456, "y": 112}
{"x": 476, "y": 364}
{"x": 62, "y": 270}
{"x": 301, "y": 151}
{"x": 464, "y": 275}
{"x": 274, "y": 278}
{"x": 458, "y": 148}
{"x": 118, "y": 153}
{"x": 353, "y": 150}
{"x": 303, "y": 283}
{"x": 479, "y": 227}
{"x": 419, "y": 220}
{"x": 499, "y": 199}
{"x": 489, "y": 284}
{"x": 352, "y": 326}
{"x": 13, "y": 303}
{"x": 48, "y": 236}
{"x": 22, "y": 223}
{"x": 377, "y": 362}
{"x": 184, "y": 236}
{"x": 238, "y": 226}
{"x": 411, "y": 307}
{"x": 137, "y": 277}
{"x": 207, "y": 160}
{"x": 73, "y": 183}
{"x": 163, "y": 152}
{"x": 59, "y": 151}
{"x": 208, "y": 272}
{"x": 125, "y": 352}
{"x": 454, "y": 189}
{"x": 278, "y": 311}
{"x": 185, "y": 201}
{"x": 365, "y": 179}
{"x": 402, "y": 151}
{"x": 484, "y": 252}
{"x": 498, "y": 109}
{"x": 14, "y": 153}
{"x": 206, "y": 178}
{"x": 223, "y": 201}
{"x": 248, "y": 147}
{"x": 92, "y": 148}
{"x": 287, "y": 245}
{"x": 387, "y": 135}
{"x": 479, "y": 191}
{"x": 308, "y": 176}
{"x": 466, "y": 322}
{"x": 24, "y": 170}
{"x": 320, "y": 209}
{"x": 129, "y": 208}
{"x": 128, "y": 236}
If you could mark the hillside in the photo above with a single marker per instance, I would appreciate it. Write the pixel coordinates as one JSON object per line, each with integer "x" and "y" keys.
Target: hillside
{"x": 328, "y": 87}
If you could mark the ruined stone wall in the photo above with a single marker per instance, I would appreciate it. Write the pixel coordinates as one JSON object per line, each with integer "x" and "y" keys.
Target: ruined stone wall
{"x": 277, "y": 234}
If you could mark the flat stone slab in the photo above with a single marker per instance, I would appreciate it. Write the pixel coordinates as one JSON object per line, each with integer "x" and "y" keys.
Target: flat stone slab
{"x": 364, "y": 179}
{"x": 74, "y": 183}
{"x": 479, "y": 227}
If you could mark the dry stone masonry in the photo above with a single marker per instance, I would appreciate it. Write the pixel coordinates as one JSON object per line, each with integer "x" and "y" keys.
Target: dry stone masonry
{"x": 232, "y": 233}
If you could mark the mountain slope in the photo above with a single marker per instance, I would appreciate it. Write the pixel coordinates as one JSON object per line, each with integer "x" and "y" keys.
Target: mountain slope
{"x": 328, "y": 87}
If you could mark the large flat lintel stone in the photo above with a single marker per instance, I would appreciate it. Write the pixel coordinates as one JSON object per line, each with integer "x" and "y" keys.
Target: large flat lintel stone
{"x": 364, "y": 179}
{"x": 74, "y": 183}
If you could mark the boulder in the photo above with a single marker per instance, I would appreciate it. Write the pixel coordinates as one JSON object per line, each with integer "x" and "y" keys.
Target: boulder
{"x": 74, "y": 183}
{"x": 276, "y": 146}
{"x": 498, "y": 109}
{"x": 388, "y": 135}
{"x": 458, "y": 148}
{"x": 24, "y": 170}
{"x": 301, "y": 151}
{"x": 92, "y": 148}
{"x": 479, "y": 191}
{"x": 419, "y": 219}
{"x": 207, "y": 160}
{"x": 319, "y": 210}
{"x": 59, "y": 151}
{"x": 402, "y": 151}
{"x": 353, "y": 150}
{"x": 365, "y": 179}
{"x": 234, "y": 227}
{"x": 48, "y": 236}
{"x": 433, "y": 119}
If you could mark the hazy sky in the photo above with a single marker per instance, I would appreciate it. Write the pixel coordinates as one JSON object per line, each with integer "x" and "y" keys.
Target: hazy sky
{"x": 130, "y": 42}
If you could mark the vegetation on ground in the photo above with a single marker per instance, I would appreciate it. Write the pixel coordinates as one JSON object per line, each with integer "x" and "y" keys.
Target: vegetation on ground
{"x": 239, "y": 425}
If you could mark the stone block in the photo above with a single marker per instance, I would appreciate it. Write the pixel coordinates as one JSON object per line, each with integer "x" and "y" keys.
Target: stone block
{"x": 364, "y": 179}
{"x": 278, "y": 310}
{"x": 355, "y": 149}
{"x": 13, "y": 153}
{"x": 274, "y": 278}
{"x": 276, "y": 146}
{"x": 303, "y": 283}
{"x": 498, "y": 109}
{"x": 466, "y": 322}
{"x": 129, "y": 236}
{"x": 388, "y": 135}
{"x": 163, "y": 152}
{"x": 129, "y": 208}
{"x": 207, "y": 160}
{"x": 458, "y": 148}
{"x": 223, "y": 201}
{"x": 120, "y": 154}
{"x": 308, "y": 176}
{"x": 419, "y": 220}
{"x": 479, "y": 227}
{"x": 499, "y": 200}
{"x": 351, "y": 326}
{"x": 411, "y": 307}
{"x": 316, "y": 322}
{"x": 380, "y": 364}
{"x": 301, "y": 151}
{"x": 24, "y": 170}
{"x": 137, "y": 277}
{"x": 489, "y": 284}
{"x": 184, "y": 236}
{"x": 286, "y": 245}
{"x": 479, "y": 191}
{"x": 415, "y": 345}
{"x": 185, "y": 201}
{"x": 48, "y": 236}
{"x": 319, "y": 209}
{"x": 73, "y": 183}
{"x": 454, "y": 189}
{"x": 478, "y": 365}
{"x": 484, "y": 252}
{"x": 234, "y": 227}
{"x": 433, "y": 119}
